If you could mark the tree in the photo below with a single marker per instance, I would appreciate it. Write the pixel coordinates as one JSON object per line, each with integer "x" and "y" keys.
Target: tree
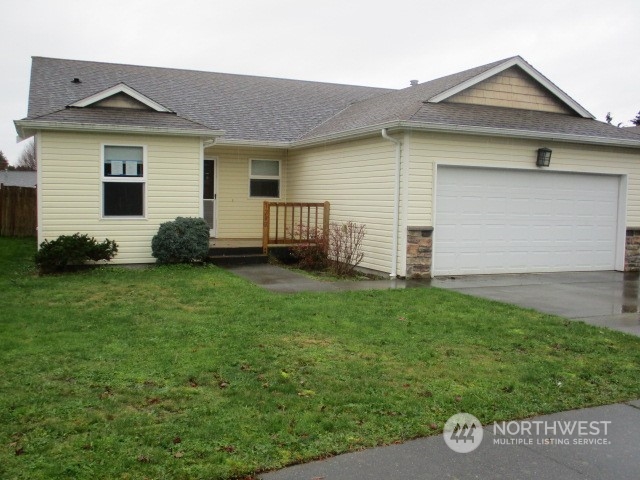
{"x": 27, "y": 159}
{"x": 4, "y": 163}
{"x": 636, "y": 121}
{"x": 609, "y": 119}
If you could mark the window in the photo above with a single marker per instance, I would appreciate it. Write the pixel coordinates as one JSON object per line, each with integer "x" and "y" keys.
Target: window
{"x": 123, "y": 181}
{"x": 264, "y": 178}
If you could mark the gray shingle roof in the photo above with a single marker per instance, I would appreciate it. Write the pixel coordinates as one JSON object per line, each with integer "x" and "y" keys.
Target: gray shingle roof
{"x": 396, "y": 105}
{"x": 246, "y": 107}
{"x": 122, "y": 117}
{"x": 456, "y": 114}
{"x": 262, "y": 109}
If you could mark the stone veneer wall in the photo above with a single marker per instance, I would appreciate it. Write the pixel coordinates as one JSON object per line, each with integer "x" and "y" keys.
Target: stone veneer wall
{"x": 632, "y": 250}
{"x": 419, "y": 248}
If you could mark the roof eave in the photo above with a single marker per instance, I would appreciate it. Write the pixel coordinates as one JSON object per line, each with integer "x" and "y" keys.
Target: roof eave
{"x": 520, "y": 62}
{"x": 466, "y": 129}
{"x": 514, "y": 133}
{"x": 27, "y": 128}
{"x": 252, "y": 143}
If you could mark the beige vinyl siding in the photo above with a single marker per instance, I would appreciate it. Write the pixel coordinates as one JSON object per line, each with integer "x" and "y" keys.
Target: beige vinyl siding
{"x": 358, "y": 179}
{"x": 429, "y": 149}
{"x": 240, "y": 216}
{"x": 512, "y": 88}
{"x": 70, "y": 168}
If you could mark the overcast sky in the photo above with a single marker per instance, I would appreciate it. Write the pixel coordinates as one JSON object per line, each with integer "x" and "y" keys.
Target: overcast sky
{"x": 587, "y": 48}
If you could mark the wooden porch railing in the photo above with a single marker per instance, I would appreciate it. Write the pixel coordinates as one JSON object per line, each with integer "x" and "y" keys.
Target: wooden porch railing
{"x": 287, "y": 223}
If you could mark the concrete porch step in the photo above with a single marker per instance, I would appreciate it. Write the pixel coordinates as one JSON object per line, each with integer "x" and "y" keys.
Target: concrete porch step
{"x": 234, "y": 251}
{"x": 239, "y": 259}
{"x": 236, "y": 256}
{"x": 246, "y": 255}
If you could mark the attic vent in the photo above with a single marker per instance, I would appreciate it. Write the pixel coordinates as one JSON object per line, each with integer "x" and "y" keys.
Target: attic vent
{"x": 413, "y": 82}
{"x": 76, "y": 80}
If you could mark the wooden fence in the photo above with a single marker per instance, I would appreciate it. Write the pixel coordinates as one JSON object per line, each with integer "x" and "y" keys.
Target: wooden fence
{"x": 286, "y": 223}
{"x": 18, "y": 212}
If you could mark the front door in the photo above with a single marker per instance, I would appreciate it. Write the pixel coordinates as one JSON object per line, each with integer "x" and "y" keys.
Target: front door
{"x": 209, "y": 195}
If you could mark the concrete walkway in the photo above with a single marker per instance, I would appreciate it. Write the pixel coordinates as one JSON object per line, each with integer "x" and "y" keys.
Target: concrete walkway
{"x": 283, "y": 280}
{"x": 603, "y": 299}
{"x": 545, "y": 456}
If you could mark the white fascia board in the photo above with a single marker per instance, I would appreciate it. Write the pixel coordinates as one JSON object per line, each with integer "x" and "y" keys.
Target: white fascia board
{"x": 516, "y": 61}
{"x": 120, "y": 88}
{"x": 513, "y": 133}
{"x": 464, "y": 129}
{"x": 27, "y": 128}
{"x": 252, "y": 143}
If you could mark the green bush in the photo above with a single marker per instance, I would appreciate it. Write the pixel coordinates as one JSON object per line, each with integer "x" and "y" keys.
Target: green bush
{"x": 184, "y": 240}
{"x": 71, "y": 251}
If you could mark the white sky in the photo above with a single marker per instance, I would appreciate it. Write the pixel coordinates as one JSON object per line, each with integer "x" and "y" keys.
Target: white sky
{"x": 587, "y": 48}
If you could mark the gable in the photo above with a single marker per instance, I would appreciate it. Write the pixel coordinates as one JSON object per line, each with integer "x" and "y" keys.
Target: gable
{"x": 124, "y": 96}
{"x": 121, "y": 100}
{"x": 511, "y": 88}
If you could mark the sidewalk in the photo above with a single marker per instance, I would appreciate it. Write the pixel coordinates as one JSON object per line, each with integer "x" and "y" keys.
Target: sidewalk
{"x": 430, "y": 458}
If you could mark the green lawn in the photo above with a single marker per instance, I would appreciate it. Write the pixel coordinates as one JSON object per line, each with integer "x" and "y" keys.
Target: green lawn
{"x": 191, "y": 372}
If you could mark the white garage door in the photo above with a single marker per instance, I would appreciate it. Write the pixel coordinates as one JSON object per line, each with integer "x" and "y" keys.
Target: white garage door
{"x": 516, "y": 221}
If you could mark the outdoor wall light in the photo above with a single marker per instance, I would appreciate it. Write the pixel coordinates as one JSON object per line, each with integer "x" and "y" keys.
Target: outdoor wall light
{"x": 544, "y": 157}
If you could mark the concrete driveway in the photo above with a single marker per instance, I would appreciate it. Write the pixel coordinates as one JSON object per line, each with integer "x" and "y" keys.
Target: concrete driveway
{"x": 608, "y": 299}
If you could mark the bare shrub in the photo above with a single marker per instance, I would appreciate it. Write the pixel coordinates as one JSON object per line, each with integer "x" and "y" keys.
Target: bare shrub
{"x": 310, "y": 254}
{"x": 345, "y": 247}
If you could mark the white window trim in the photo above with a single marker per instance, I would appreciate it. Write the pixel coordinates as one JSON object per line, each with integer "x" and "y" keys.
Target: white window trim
{"x": 265, "y": 177}
{"x": 142, "y": 179}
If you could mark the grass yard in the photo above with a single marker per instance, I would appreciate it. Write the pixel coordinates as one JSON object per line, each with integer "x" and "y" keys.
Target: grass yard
{"x": 182, "y": 372}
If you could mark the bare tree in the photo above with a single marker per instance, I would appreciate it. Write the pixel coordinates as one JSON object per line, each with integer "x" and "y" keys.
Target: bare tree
{"x": 27, "y": 159}
{"x": 4, "y": 163}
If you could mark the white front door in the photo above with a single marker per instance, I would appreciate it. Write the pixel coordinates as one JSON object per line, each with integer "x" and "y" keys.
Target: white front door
{"x": 491, "y": 220}
{"x": 209, "y": 195}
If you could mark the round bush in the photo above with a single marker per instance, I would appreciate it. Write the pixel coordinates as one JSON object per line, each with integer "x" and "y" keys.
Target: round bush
{"x": 184, "y": 240}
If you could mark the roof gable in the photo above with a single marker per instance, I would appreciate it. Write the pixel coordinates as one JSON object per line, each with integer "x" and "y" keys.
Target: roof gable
{"x": 119, "y": 94}
{"x": 511, "y": 88}
{"x": 248, "y": 108}
{"x": 561, "y": 98}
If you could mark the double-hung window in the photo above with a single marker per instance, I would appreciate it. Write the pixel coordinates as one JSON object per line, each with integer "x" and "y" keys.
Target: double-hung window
{"x": 123, "y": 181}
{"x": 264, "y": 178}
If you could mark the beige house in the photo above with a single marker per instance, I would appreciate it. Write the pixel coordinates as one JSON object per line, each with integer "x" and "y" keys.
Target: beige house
{"x": 449, "y": 176}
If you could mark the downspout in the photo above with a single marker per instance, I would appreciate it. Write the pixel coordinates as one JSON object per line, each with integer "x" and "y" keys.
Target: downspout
{"x": 396, "y": 205}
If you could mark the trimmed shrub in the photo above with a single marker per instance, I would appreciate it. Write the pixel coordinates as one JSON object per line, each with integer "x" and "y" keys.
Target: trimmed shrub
{"x": 184, "y": 240}
{"x": 70, "y": 251}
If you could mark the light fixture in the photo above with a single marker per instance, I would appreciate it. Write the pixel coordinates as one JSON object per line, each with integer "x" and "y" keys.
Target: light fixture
{"x": 544, "y": 157}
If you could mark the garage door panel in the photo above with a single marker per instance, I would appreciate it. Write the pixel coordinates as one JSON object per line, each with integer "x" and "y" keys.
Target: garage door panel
{"x": 510, "y": 221}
